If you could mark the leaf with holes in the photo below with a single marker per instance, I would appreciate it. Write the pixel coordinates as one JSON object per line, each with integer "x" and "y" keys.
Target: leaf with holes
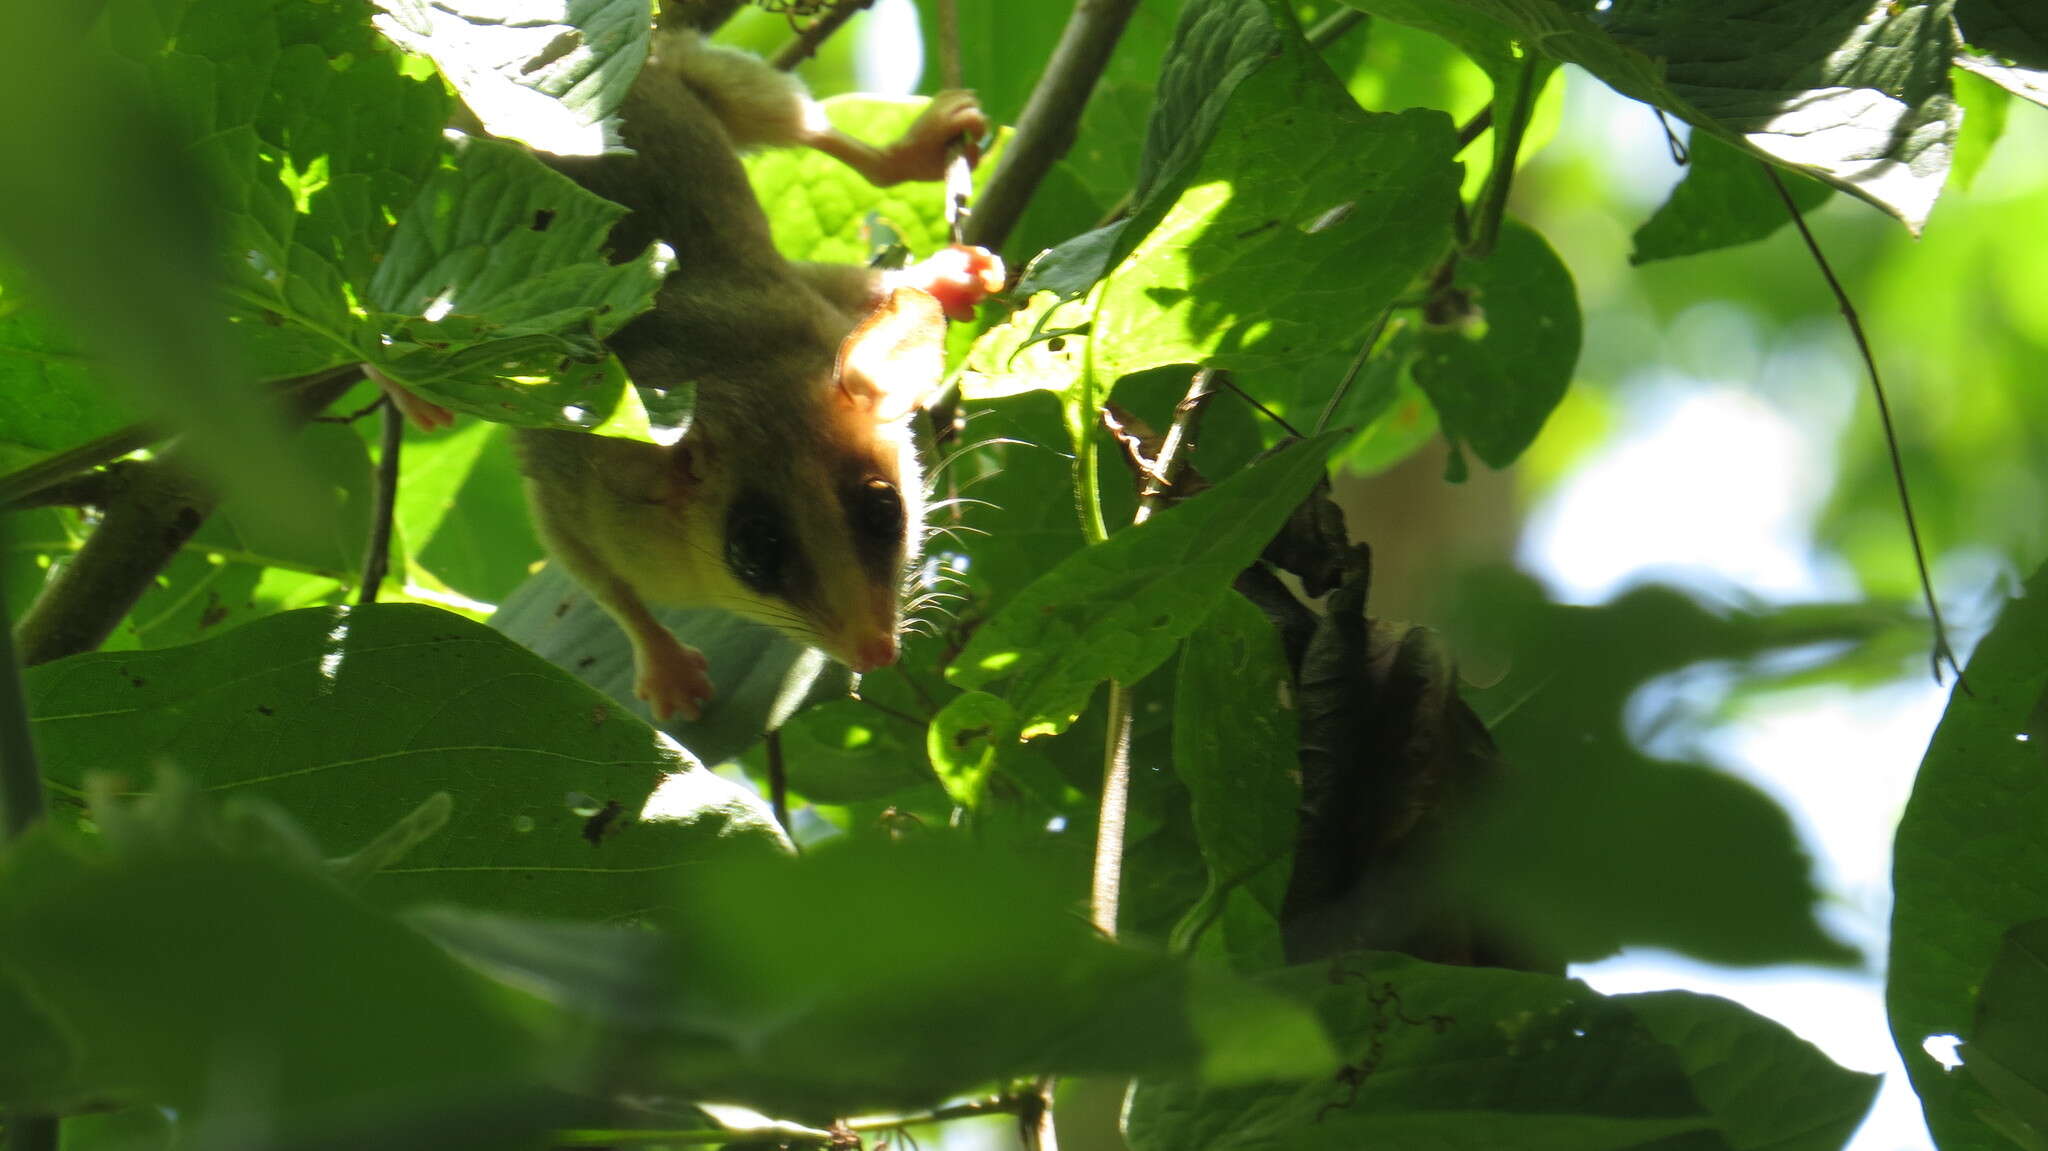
{"x": 1970, "y": 860}
{"x": 1117, "y": 609}
{"x": 549, "y": 75}
{"x": 1853, "y": 93}
{"x": 349, "y": 717}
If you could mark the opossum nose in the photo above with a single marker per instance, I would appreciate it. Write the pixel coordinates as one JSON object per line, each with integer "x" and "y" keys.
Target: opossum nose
{"x": 878, "y": 652}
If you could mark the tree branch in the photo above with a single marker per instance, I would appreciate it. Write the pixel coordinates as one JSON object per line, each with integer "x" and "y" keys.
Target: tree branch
{"x": 153, "y": 509}
{"x": 1045, "y": 128}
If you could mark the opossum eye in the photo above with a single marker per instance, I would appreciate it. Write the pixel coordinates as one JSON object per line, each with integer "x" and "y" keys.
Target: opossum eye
{"x": 877, "y": 511}
{"x": 756, "y": 547}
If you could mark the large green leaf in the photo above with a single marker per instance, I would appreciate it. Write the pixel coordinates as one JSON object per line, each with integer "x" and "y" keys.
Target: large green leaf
{"x": 49, "y": 398}
{"x": 1117, "y": 610}
{"x": 564, "y": 804}
{"x": 1970, "y": 861}
{"x": 355, "y": 231}
{"x": 547, "y": 74}
{"x": 1470, "y": 1057}
{"x": 250, "y": 993}
{"x": 1725, "y": 199}
{"x": 1495, "y": 375}
{"x": 1854, "y": 93}
{"x": 872, "y": 974}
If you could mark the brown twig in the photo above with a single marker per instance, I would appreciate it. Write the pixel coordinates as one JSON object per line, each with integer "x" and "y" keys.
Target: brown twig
{"x": 89, "y": 490}
{"x": 1942, "y": 651}
{"x": 1046, "y": 126}
{"x": 817, "y": 32}
{"x": 377, "y": 560}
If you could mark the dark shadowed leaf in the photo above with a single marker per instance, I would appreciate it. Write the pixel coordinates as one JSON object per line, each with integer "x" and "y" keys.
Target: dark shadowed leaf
{"x": 1494, "y": 375}
{"x": 1589, "y": 842}
{"x": 1725, "y": 199}
{"x": 870, "y": 974}
{"x": 2007, "y": 1053}
{"x": 269, "y": 996}
{"x": 1970, "y": 860}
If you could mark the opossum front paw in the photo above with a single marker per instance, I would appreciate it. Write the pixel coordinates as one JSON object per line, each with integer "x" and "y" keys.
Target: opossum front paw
{"x": 672, "y": 677}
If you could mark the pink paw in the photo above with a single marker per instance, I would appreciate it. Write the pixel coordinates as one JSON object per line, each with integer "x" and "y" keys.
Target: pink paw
{"x": 671, "y": 677}
{"x": 953, "y": 117}
{"x": 958, "y": 277}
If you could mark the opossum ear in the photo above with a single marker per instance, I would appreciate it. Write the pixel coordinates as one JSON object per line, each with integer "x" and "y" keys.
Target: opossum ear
{"x": 896, "y": 359}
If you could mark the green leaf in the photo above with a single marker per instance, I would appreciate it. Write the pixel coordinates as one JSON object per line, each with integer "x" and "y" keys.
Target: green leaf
{"x": 2006, "y": 1053}
{"x": 965, "y": 741}
{"x": 1725, "y": 199}
{"x": 1234, "y": 748}
{"x": 1588, "y": 843}
{"x": 1767, "y": 1089}
{"x": 1118, "y": 609}
{"x": 495, "y": 292}
{"x": 50, "y": 398}
{"x": 965, "y": 956}
{"x": 539, "y": 73}
{"x": 1495, "y": 375}
{"x": 270, "y": 999}
{"x": 352, "y": 716}
{"x": 462, "y": 511}
{"x": 112, "y": 224}
{"x": 762, "y": 677}
{"x": 1970, "y": 860}
{"x": 1450, "y": 1057}
{"x": 845, "y": 751}
{"x": 1305, "y": 218}
{"x": 1855, "y": 94}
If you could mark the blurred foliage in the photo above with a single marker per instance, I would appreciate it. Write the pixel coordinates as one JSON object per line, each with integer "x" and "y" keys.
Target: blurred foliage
{"x": 1335, "y": 848}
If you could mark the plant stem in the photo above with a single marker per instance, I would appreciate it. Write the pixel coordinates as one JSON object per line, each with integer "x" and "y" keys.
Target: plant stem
{"x": 1942, "y": 650}
{"x": 1106, "y": 884}
{"x": 1493, "y": 198}
{"x": 377, "y": 559}
{"x": 1045, "y": 128}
